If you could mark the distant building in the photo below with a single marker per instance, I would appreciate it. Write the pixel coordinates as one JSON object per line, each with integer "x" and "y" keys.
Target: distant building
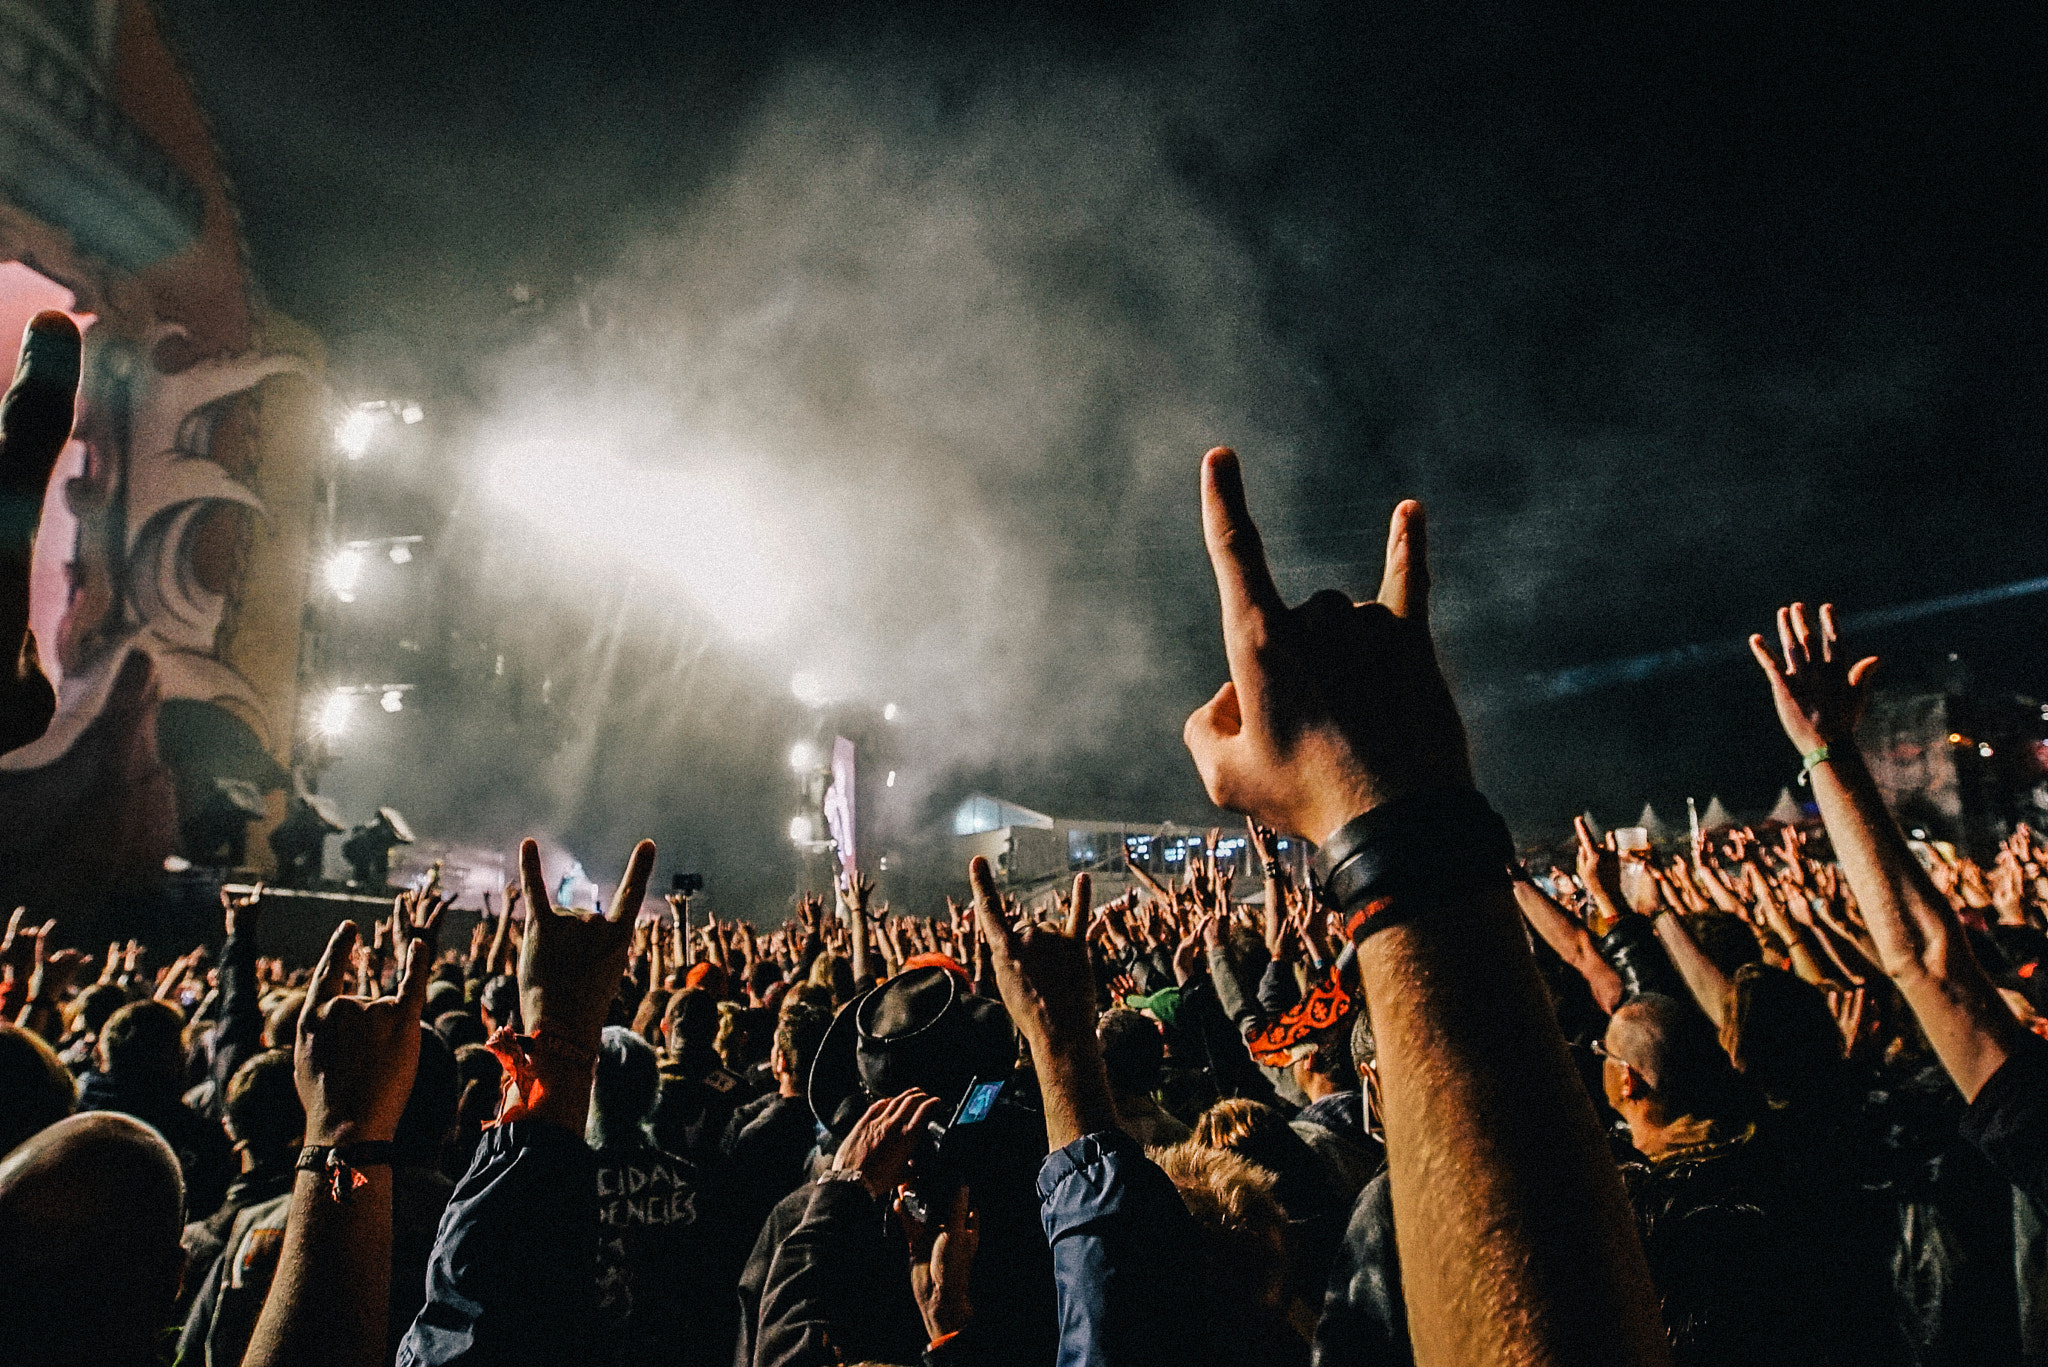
{"x": 1031, "y": 851}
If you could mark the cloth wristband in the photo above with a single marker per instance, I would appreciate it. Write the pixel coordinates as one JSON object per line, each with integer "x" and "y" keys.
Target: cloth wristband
{"x": 1413, "y": 853}
{"x": 521, "y": 1088}
{"x": 341, "y": 1164}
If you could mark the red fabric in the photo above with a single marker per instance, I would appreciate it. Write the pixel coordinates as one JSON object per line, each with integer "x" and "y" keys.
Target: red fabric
{"x": 708, "y": 976}
{"x": 945, "y": 961}
{"x": 1327, "y": 1003}
{"x": 521, "y": 1088}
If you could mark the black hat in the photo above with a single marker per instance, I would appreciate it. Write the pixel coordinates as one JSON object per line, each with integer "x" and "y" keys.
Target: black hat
{"x": 921, "y": 1028}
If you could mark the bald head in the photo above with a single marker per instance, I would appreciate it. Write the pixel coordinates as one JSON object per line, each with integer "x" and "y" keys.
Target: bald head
{"x": 90, "y": 1213}
{"x": 1672, "y": 1046}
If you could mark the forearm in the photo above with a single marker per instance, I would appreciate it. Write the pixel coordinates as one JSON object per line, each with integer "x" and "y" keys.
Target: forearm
{"x": 1569, "y": 939}
{"x": 1074, "y": 1090}
{"x": 332, "y": 1291}
{"x": 1920, "y": 943}
{"x": 1703, "y": 977}
{"x": 1504, "y": 1193}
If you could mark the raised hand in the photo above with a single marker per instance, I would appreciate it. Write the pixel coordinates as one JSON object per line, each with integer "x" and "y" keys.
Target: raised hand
{"x": 1333, "y": 707}
{"x": 20, "y": 948}
{"x": 240, "y": 915}
{"x": 1819, "y": 699}
{"x": 1600, "y": 871}
{"x": 417, "y": 915}
{"x": 571, "y": 963}
{"x": 35, "y": 422}
{"x": 355, "y": 1055}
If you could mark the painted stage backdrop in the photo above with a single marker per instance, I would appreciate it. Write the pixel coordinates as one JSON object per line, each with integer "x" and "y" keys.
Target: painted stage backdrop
{"x": 177, "y": 531}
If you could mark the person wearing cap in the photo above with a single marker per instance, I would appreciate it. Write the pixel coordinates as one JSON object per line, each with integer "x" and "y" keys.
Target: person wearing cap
{"x": 835, "y": 1271}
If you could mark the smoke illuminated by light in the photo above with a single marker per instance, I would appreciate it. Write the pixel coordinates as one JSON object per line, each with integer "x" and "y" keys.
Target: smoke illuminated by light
{"x": 708, "y": 534}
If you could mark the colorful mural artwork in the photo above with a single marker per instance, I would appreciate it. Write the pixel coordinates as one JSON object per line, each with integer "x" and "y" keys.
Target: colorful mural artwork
{"x": 170, "y": 564}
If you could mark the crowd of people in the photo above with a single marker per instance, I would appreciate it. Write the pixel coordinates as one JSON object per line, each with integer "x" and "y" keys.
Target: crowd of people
{"x": 1777, "y": 1097}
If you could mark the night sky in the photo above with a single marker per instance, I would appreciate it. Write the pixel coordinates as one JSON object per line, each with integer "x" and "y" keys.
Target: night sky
{"x": 1670, "y": 313}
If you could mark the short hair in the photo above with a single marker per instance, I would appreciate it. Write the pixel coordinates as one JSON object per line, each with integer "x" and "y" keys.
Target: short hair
{"x": 1133, "y": 1051}
{"x": 96, "y": 1005}
{"x": 36, "y": 1089}
{"x": 799, "y": 1030}
{"x": 628, "y": 1080}
{"x": 500, "y": 1000}
{"x": 457, "y": 1028}
{"x": 442, "y": 997}
{"x": 263, "y": 1109}
{"x": 762, "y": 977}
{"x": 1254, "y": 1132}
{"x": 690, "y": 1020}
{"x": 1673, "y": 1046}
{"x": 1365, "y": 1046}
{"x": 430, "y": 1107}
{"x": 144, "y": 1037}
{"x": 1781, "y": 1035}
{"x": 1242, "y": 1220}
{"x": 281, "y": 1025}
{"x": 1725, "y": 939}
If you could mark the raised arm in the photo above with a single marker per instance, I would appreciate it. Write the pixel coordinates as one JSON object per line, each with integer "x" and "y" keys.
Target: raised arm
{"x": 354, "y": 1062}
{"x": 1516, "y": 1244}
{"x": 1919, "y": 940}
{"x": 1563, "y": 933}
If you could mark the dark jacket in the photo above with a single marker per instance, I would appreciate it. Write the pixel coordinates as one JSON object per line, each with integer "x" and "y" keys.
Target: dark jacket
{"x": 1364, "y": 1321}
{"x": 838, "y": 1288}
{"x": 2008, "y": 1121}
{"x": 513, "y": 1277}
{"x": 1126, "y": 1257}
{"x": 1638, "y": 956}
{"x": 204, "y": 1240}
{"x": 697, "y": 1099}
{"x": 239, "y": 1035}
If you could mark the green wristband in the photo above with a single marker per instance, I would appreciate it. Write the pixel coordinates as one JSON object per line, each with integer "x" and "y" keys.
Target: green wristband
{"x": 1814, "y": 758}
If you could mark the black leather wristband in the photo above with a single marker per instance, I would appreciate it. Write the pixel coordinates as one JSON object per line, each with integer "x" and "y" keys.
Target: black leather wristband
{"x": 1414, "y": 852}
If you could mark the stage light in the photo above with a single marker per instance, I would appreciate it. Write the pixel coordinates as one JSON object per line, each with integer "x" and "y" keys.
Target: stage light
{"x": 401, "y": 554}
{"x": 344, "y": 571}
{"x": 393, "y": 700}
{"x": 1984, "y": 750}
{"x": 889, "y": 712}
{"x": 353, "y": 436}
{"x": 334, "y": 713}
{"x": 410, "y": 414}
{"x": 807, "y": 688}
{"x": 803, "y": 757}
{"x": 800, "y": 830}
{"x": 892, "y": 780}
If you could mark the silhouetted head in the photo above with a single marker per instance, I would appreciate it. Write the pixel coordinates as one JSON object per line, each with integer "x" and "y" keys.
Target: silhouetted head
{"x": 90, "y": 1213}
{"x": 35, "y": 1087}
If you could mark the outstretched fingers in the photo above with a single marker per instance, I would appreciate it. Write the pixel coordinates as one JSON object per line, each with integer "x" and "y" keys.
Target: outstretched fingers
{"x": 633, "y": 885}
{"x": 990, "y": 918}
{"x": 1238, "y": 556}
{"x": 1404, "y": 585}
{"x": 1077, "y": 909}
{"x": 325, "y": 983}
{"x": 534, "y": 884}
